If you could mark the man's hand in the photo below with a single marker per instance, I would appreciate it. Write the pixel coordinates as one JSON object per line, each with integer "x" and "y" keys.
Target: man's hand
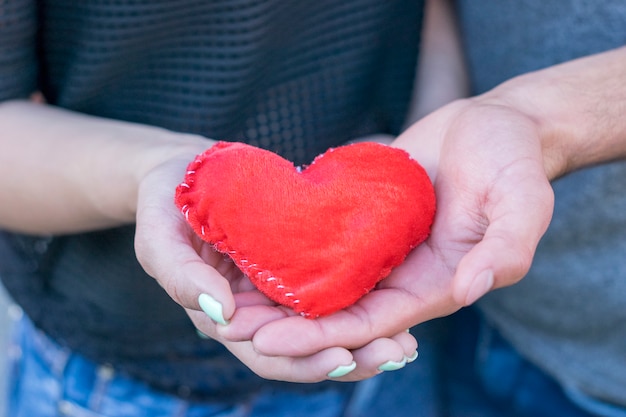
{"x": 491, "y": 159}
{"x": 494, "y": 204}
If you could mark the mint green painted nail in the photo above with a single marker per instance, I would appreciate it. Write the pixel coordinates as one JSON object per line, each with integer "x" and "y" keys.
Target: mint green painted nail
{"x": 212, "y": 308}
{"x": 392, "y": 365}
{"x": 411, "y": 358}
{"x": 342, "y": 370}
{"x": 202, "y": 335}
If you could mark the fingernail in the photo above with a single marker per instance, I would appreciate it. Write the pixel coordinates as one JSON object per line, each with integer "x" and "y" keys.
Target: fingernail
{"x": 202, "y": 335}
{"x": 481, "y": 285}
{"x": 342, "y": 370}
{"x": 411, "y": 358}
{"x": 392, "y": 365}
{"x": 212, "y": 308}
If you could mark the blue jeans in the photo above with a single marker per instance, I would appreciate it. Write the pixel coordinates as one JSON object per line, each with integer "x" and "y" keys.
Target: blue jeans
{"x": 487, "y": 377}
{"x": 46, "y": 380}
{"x": 465, "y": 369}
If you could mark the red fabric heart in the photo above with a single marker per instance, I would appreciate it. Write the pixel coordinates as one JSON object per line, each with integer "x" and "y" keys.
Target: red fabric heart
{"x": 316, "y": 239}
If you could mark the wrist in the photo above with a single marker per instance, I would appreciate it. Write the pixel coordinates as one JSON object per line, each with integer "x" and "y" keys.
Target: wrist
{"x": 174, "y": 149}
{"x": 65, "y": 172}
{"x": 549, "y": 118}
{"x": 577, "y": 108}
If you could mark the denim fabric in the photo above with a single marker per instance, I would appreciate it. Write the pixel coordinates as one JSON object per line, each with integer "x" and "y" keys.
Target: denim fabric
{"x": 46, "y": 380}
{"x": 501, "y": 382}
{"x": 465, "y": 369}
{"x": 511, "y": 380}
{"x": 594, "y": 406}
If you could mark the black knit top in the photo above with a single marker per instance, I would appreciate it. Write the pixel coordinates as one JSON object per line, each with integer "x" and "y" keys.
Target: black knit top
{"x": 294, "y": 77}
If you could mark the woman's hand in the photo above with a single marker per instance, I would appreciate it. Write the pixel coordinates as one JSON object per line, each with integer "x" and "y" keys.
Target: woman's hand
{"x": 196, "y": 277}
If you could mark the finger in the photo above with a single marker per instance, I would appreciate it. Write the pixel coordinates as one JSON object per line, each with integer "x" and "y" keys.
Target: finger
{"x": 248, "y": 319}
{"x": 332, "y": 363}
{"x": 409, "y": 344}
{"x": 383, "y": 312}
{"x": 182, "y": 273}
{"x": 168, "y": 251}
{"x": 252, "y": 298}
{"x": 383, "y": 355}
{"x": 504, "y": 255}
{"x": 298, "y": 336}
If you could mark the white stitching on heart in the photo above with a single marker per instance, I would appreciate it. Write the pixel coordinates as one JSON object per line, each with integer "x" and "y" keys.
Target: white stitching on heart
{"x": 250, "y": 269}
{"x": 185, "y": 210}
{"x": 245, "y": 265}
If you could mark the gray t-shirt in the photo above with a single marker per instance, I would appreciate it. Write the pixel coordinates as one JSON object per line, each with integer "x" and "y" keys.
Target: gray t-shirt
{"x": 568, "y": 315}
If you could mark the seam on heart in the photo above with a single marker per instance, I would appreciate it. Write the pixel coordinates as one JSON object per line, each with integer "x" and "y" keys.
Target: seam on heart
{"x": 213, "y": 222}
{"x": 255, "y": 273}
{"x": 250, "y": 269}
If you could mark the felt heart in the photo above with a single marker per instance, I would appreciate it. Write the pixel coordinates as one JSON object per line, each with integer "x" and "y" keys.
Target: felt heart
{"x": 314, "y": 239}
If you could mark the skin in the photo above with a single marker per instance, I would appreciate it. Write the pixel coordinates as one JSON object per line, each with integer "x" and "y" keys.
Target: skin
{"x": 63, "y": 172}
{"x": 491, "y": 159}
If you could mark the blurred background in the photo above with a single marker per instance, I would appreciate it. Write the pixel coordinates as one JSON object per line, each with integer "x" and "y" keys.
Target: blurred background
{"x": 5, "y": 327}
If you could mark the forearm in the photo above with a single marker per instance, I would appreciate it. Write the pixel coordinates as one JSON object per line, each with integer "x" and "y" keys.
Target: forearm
{"x": 579, "y": 108}
{"x": 441, "y": 73}
{"x": 64, "y": 172}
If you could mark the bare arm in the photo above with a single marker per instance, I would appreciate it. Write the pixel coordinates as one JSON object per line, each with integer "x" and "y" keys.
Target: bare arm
{"x": 63, "y": 172}
{"x": 441, "y": 75}
{"x": 579, "y": 108}
{"x": 491, "y": 158}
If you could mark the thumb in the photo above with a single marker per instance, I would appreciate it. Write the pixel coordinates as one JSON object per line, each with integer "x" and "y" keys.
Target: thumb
{"x": 192, "y": 276}
{"x": 190, "y": 270}
{"x": 505, "y": 253}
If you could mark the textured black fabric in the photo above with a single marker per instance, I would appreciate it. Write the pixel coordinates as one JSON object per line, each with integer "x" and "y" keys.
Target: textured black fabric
{"x": 18, "y": 60}
{"x": 293, "y": 77}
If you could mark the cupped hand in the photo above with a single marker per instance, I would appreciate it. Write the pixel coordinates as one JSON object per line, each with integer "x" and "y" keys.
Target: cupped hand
{"x": 494, "y": 202}
{"x": 214, "y": 292}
